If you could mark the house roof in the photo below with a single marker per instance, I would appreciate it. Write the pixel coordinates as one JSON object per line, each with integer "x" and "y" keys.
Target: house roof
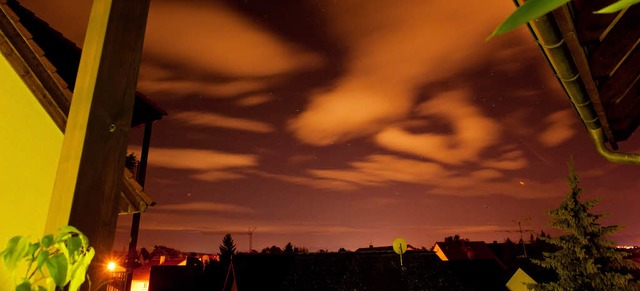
{"x": 465, "y": 250}
{"x": 388, "y": 249}
{"x": 48, "y": 63}
{"x": 595, "y": 57}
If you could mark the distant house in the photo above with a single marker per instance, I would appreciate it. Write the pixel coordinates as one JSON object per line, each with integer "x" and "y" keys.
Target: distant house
{"x": 463, "y": 250}
{"x": 382, "y": 249}
{"x": 38, "y": 69}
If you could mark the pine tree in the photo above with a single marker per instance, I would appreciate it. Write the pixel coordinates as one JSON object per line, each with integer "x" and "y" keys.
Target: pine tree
{"x": 586, "y": 259}
{"x": 227, "y": 249}
{"x": 288, "y": 248}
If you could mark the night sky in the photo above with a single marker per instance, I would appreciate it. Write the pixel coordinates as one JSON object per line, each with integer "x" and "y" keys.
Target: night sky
{"x": 335, "y": 124}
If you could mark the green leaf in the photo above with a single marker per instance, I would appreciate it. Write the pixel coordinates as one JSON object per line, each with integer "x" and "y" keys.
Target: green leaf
{"x": 57, "y": 266}
{"x": 79, "y": 270}
{"x": 42, "y": 258}
{"x": 68, "y": 229}
{"x": 24, "y": 286}
{"x": 617, "y": 6}
{"x": 33, "y": 248}
{"x": 16, "y": 250}
{"x": 47, "y": 241}
{"x": 40, "y": 288}
{"x": 530, "y": 10}
{"x": 73, "y": 245}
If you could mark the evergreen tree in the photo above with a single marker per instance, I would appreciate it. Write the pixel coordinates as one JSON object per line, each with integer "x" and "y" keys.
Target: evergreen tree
{"x": 227, "y": 249}
{"x": 586, "y": 259}
{"x": 288, "y": 248}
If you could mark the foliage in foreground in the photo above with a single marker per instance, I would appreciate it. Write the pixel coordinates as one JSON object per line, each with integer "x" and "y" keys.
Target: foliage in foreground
{"x": 533, "y": 9}
{"x": 54, "y": 262}
{"x": 586, "y": 259}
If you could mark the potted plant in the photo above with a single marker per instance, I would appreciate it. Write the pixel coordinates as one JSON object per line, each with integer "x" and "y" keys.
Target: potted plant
{"x": 54, "y": 262}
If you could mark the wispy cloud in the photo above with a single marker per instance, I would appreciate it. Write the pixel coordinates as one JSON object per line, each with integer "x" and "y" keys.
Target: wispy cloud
{"x": 193, "y": 222}
{"x": 315, "y": 182}
{"x": 512, "y": 160}
{"x": 207, "y": 119}
{"x": 560, "y": 128}
{"x": 381, "y": 169}
{"x": 472, "y": 132}
{"x": 204, "y": 207}
{"x": 254, "y": 100}
{"x": 196, "y": 159}
{"x": 179, "y": 85}
{"x": 212, "y": 176}
{"x": 213, "y": 37}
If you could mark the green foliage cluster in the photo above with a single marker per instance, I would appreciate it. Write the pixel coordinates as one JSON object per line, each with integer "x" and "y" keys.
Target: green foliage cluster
{"x": 533, "y": 9}
{"x": 586, "y": 259}
{"x": 54, "y": 262}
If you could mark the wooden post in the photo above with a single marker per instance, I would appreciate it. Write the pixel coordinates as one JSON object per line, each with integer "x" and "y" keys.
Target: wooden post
{"x": 96, "y": 136}
{"x": 135, "y": 221}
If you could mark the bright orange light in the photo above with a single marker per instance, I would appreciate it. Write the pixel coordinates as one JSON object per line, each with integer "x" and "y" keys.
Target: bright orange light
{"x": 521, "y": 183}
{"x": 111, "y": 266}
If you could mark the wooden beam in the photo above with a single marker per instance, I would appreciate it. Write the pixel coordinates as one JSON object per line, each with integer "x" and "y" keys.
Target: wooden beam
{"x": 615, "y": 87}
{"x": 590, "y": 26}
{"x": 95, "y": 141}
{"x": 623, "y": 38}
{"x": 625, "y": 114}
{"x": 20, "y": 54}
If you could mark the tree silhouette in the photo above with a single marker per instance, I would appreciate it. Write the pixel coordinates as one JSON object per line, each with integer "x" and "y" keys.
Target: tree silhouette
{"x": 146, "y": 256}
{"x": 288, "y": 248}
{"x": 272, "y": 250}
{"x": 227, "y": 249}
{"x": 586, "y": 259}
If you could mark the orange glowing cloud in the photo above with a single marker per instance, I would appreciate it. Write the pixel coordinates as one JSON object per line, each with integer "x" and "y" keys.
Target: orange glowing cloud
{"x": 472, "y": 132}
{"x": 392, "y": 53}
{"x": 213, "y": 37}
{"x": 198, "y": 118}
{"x": 560, "y": 128}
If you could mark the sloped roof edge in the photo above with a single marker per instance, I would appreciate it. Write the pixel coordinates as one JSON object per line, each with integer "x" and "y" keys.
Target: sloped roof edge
{"x": 556, "y": 37}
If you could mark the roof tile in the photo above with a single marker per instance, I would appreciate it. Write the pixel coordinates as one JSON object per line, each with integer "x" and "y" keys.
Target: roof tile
{"x": 36, "y": 48}
{"x": 23, "y": 30}
{"x": 12, "y": 15}
{"x": 48, "y": 65}
{"x": 60, "y": 81}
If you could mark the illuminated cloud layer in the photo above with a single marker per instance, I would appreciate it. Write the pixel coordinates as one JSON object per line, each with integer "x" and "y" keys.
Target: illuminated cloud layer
{"x": 560, "y": 128}
{"x": 472, "y": 132}
{"x": 197, "y": 118}
{"x": 391, "y": 54}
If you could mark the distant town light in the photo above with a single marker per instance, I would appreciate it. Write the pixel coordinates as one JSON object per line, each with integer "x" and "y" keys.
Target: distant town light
{"x": 521, "y": 183}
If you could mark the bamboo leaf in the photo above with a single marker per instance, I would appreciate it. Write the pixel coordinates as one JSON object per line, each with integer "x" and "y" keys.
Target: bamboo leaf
{"x": 530, "y": 10}
{"x": 617, "y": 6}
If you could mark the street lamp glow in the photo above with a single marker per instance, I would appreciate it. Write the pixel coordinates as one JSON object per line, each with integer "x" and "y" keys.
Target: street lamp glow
{"x": 111, "y": 266}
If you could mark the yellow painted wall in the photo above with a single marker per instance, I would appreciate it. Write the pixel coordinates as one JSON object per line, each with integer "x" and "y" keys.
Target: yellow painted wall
{"x": 30, "y": 145}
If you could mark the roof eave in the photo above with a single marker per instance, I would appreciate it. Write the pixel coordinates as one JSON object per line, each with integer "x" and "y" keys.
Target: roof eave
{"x": 557, "y": 38}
